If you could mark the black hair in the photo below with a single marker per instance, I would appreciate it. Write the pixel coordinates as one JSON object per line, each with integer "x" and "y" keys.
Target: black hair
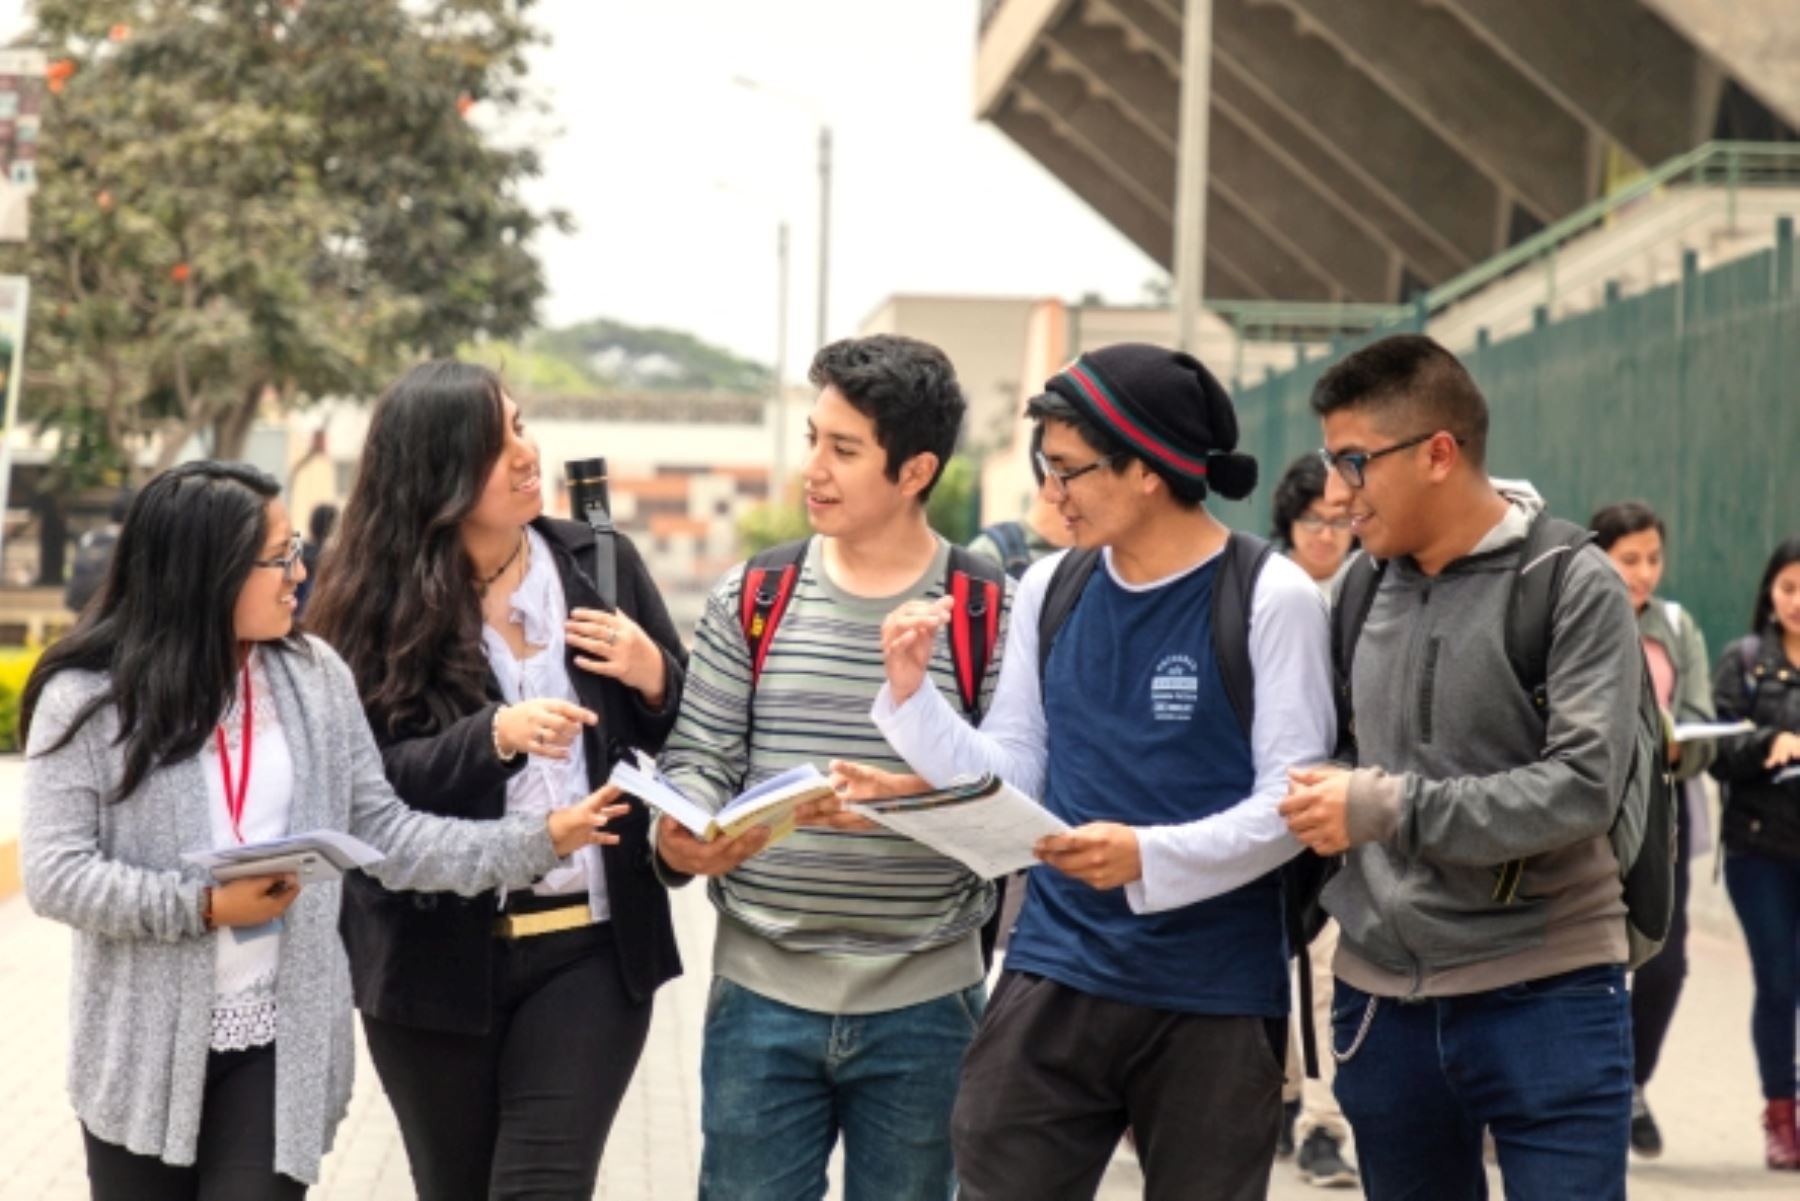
{"x": 1613, "y": 522}
{"x": 121, "y": 505}
{"x": 321, "y": 521}
{"x": 1785, "y": 556}
{"x": 1301, "y": 485}
{"x": 1051, "y": 406}
{"x": 907, "y": 387}
{"x": 161, "y": 628}
{"x": 396, "y": 592}
{"x": 1416, "y": 381}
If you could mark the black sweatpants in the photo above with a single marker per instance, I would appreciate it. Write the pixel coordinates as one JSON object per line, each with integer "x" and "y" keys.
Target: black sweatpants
{"x": 235, "y": 1159}
{"x": 1055, "y": 1076}
{"x": 523, "y": 1110}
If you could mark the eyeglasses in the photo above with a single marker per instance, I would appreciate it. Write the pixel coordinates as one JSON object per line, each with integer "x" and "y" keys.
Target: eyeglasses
{"x": 1353, "y": 465}
{"x": 1312, "y": 523}
{"x": 285, "y": 562}
{"x": 1062, "y": 478}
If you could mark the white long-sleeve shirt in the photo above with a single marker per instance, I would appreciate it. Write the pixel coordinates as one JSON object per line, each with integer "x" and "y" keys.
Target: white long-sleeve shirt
{"x": 1295, "y": 726}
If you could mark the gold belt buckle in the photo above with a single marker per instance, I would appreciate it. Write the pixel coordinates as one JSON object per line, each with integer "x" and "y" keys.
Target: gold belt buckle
{"x": 550, "y": 921}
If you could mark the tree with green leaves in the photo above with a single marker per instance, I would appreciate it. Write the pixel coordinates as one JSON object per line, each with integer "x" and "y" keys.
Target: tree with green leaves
{"x": 255, "y": 202}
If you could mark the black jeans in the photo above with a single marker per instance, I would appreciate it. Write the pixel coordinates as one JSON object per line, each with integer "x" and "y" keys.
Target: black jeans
{"x": 235, "y": 1159}
{"x": 1656, "y": 987}
{"x": 523, "y": 1110}
{"x": 1055, "y": 1076}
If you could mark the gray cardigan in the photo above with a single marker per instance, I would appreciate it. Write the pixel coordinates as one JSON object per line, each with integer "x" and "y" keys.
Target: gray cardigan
{"x": 142, "y": 983}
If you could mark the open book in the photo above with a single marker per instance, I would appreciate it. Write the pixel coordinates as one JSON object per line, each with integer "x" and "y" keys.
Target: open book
{"x": 314, "y": 856}
{"x": 771, "y": 803}
{"x": 983, "y": 822}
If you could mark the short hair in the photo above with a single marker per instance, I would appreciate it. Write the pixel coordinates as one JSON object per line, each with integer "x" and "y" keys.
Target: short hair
{"x": 1301, "y": 484}
{"x": 1622, "y": 520}
{"x": 1053, "y": 406}
{"x": 907, "y": 387}
{"x": 1409, "y": 377}
{"x": 322, "y": 521}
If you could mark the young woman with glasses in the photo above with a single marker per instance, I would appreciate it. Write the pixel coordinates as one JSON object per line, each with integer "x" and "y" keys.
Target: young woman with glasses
{"x": 211, "y": 1041}
{"x": 505, "y": 1028}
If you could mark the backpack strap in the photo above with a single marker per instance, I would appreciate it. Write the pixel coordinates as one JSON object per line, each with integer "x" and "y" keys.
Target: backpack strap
{"x": 1066, "y": 585}
{"x": 977, "y": 586}
{"x": 1233, "y": 594}
{"x": 1349, "y": 612}
{"x": 1550, "y": 545}
{"x": 769, "y": 580}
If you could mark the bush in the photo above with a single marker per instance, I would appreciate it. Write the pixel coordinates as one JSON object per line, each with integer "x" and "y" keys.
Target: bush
{"x": 15, "y": 669}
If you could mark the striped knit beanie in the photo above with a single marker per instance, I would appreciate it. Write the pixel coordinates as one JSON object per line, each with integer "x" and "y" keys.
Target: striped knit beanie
{"x": 1167, "y": 408}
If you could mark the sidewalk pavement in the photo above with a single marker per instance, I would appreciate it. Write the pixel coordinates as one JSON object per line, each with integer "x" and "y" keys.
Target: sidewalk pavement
{"x": 1705, "y": 1095}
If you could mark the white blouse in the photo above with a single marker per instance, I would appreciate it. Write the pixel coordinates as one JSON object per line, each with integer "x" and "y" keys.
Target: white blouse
{"x": 540, "y": 609}
{"x": 247, "y": 960}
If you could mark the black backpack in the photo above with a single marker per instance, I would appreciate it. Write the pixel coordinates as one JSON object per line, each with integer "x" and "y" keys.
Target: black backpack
{"x": 1643, "y": 833}
{"x": 1015, "y": 552}
{"x": 974, "y": 582}
{"x": 1241, "y": 566}
{"x": 92, "y": 554}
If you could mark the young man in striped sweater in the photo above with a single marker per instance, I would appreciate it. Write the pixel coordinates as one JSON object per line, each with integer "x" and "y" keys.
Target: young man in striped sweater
{"x": 848, "y": 973}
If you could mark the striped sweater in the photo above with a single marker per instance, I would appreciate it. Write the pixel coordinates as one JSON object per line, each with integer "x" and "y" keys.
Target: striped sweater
{"x": 829, "y": 921}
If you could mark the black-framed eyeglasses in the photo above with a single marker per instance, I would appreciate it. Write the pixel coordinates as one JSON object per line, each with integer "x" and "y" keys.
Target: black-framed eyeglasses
{"x": 285, "y": 562}
{"x": 1312, "y": 523}
{"x": 1353, "y": 465}
{"x": 1062, "y": 478}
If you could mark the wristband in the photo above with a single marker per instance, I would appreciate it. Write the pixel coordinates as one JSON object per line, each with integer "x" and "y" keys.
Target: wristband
{"x": 206, "y": 908}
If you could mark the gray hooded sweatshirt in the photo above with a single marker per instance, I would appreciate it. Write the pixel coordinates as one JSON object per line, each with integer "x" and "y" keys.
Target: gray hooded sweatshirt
{"x": 1459, "y": 777}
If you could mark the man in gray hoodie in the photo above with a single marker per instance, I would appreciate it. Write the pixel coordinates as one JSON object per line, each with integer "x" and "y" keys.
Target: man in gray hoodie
{"x": 1481, "y": 979}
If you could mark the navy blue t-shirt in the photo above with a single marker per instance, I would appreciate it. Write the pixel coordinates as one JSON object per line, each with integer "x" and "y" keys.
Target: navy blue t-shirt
{"x": 1142, "y": 732}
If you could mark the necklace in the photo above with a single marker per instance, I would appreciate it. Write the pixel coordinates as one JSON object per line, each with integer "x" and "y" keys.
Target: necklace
{"x": 482, "y": 585}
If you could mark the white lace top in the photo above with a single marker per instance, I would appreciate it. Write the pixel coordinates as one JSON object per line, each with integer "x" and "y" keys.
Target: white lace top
{"x": 539, "y": 607}
{"x": 247, "y": 961}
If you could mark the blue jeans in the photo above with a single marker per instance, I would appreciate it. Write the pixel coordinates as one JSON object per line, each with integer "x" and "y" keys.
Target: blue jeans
{"x": 779, "y": 1083}
{"x": 1766, "y": 894}
{"x": 1545, "y": 1065}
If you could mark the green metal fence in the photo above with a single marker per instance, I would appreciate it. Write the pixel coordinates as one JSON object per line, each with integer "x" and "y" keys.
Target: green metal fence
{"x": 1687, "y": 397}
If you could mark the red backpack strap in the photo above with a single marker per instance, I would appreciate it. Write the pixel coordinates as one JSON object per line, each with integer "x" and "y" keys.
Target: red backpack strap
{"x": 769, "y": 579}
{"x": 977, "y": 589}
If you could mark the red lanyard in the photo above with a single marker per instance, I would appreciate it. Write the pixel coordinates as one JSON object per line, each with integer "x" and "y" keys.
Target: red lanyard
{"x": 234, "y": 800}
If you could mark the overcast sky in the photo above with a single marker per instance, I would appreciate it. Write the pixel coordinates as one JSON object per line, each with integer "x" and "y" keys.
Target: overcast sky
{"x": 677, "y": 178}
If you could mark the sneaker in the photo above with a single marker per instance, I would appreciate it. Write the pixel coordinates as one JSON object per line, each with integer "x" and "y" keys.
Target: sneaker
{"x": 1284, "y": 1142}
{"x": 1646, "y": 1139}
{"x": 1321, "y": 1162}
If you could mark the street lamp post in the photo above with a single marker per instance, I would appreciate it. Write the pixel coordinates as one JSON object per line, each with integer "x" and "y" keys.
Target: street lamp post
{"x": 812, "y": 110}
{"x": 778, "y": 402}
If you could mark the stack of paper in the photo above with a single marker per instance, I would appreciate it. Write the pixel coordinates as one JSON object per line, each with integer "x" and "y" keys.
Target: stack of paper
{"x": 1696, "y": 731}
{"x": 984, "y": 823}
{"x": 314, "y": 856}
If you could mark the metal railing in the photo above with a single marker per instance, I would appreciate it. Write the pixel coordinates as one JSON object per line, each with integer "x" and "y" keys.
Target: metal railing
{"x": 1733, "y": 166}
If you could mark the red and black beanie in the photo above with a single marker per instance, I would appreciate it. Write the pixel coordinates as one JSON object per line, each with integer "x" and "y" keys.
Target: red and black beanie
{"x": 1167, "y": 408}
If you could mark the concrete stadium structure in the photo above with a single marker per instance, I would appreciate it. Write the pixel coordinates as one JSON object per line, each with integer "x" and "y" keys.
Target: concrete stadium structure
{"x": 1367, "y": 150}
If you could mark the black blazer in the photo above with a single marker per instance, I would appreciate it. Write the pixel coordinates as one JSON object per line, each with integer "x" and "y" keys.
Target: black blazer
{"x": 425, "y": 959}
{"x": 1761, "y": 816}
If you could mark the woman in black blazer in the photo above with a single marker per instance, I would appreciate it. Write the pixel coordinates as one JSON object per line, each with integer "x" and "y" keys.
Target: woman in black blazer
{"x": 505, "y": 1028}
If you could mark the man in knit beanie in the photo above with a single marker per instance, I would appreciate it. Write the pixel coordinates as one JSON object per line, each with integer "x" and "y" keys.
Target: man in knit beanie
{"x": 1146, "y": 984}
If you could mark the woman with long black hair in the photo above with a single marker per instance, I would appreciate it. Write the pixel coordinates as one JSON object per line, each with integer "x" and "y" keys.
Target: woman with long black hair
{"x": 1633, "y": 538}
{"x": 211, "y": 1041}
{"x": 505, "y": 1028}
{"x": 1758, "y": 680}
